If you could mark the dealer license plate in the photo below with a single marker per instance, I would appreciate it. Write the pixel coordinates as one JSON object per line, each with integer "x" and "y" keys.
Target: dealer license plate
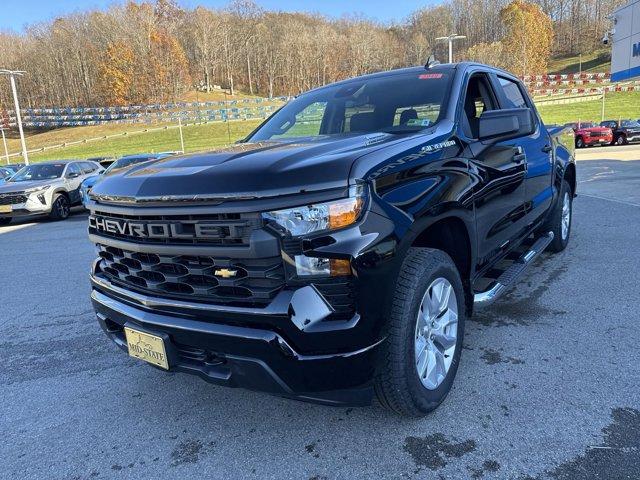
{"x": 149, "y": 348}
{"x": 5, "y": 208}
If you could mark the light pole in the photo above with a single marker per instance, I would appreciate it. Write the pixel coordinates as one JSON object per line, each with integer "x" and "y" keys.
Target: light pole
{"x": 450, "y": 39}
{"x": 12, "y": 74}
{"x": 4, "y": 142}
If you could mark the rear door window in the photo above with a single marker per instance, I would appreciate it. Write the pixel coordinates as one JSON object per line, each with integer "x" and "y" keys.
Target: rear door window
{"x": 513, "y": 95}
{"x": 73, "y": 168}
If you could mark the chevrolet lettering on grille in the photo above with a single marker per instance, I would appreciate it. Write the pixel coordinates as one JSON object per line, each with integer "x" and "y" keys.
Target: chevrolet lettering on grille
{"x": 158, "y": 229}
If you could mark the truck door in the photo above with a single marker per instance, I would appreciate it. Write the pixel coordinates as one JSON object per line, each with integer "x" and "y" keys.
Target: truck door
{"x": 537, "y": 148}
{"x": 498, "y": 172}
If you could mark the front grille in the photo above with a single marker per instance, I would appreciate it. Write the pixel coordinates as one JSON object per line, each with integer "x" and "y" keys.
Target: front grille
{"x": 232, "y": 229}
{"x": 13, "y": 198}
{"x": 254, "y": 281}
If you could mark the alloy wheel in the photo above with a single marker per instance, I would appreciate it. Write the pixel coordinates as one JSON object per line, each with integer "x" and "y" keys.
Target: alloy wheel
{"x": 62, "y": 207}
{"x": 566, "y": 215}
{"x": 436, "y": 333}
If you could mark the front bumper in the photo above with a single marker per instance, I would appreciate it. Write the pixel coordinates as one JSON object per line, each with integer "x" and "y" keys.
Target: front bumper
{"x": 255, "y": 358}
{"x": 27, "y": 209}
{"x": 299, "y": 344}
{"x": 604, "y": 140}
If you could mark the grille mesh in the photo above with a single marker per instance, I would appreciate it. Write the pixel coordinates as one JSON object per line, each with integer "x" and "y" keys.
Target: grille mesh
{"x": 255, "y": 281}
{"x": 12, "y": 198}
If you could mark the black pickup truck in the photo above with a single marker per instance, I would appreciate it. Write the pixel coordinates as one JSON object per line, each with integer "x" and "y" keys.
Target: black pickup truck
{"x": 624, "y": 131}
{"x": 334, "y": 254}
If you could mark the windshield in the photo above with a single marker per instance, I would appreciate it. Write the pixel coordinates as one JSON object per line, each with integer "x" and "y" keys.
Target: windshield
{"x": 126, "y": 162}
{"x": 47, "y": 171}
{"x": 400, "y": 103}
{"x": 630, "y": 123}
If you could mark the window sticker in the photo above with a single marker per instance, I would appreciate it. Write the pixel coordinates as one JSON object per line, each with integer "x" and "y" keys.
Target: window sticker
{"x": 417, "y": 122}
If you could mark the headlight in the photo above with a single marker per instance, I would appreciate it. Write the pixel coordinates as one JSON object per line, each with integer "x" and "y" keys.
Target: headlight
{"x": 322, "y": 216}
{"x": 37, "y": 189}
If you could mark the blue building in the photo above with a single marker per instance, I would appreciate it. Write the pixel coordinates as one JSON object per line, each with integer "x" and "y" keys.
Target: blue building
{"x": 625, "y": 38}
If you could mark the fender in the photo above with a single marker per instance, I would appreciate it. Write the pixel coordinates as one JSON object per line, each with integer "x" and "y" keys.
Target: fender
{"x": 564, "y": 160}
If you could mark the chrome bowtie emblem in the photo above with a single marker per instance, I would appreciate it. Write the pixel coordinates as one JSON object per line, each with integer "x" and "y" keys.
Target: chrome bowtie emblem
{"x": 225, "y": 273}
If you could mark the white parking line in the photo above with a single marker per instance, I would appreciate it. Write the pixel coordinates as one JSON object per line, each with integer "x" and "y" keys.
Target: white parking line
{"x": 13, "y": 228}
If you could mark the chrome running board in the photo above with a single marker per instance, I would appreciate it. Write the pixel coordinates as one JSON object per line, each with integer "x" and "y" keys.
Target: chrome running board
{"x": 510, "y": 276}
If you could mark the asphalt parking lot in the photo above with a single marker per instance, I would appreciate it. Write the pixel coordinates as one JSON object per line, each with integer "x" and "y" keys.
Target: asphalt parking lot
{"x": 548, "y": 387}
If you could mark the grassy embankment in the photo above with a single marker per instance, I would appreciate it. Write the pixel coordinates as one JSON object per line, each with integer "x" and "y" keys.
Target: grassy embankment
{"x": 596, "y": 62}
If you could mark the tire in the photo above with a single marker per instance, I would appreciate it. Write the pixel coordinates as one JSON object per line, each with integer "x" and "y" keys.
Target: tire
{"x": 60, "y": 208}
{"x": 398, "y": 385}
{"x": 621, "y": 140}
{"x": 579, "y": 142}
{"x": 555, "y": 222}
{"x": 5, "y": 221}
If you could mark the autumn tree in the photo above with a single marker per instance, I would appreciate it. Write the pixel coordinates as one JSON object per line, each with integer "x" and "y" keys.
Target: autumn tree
{"x": 528, "y": 37}
{"x": 116, "y": 74}
{"x": 153, "y": 50}
{"x": 489, "y": 53}
{"x": 167, "y": 70}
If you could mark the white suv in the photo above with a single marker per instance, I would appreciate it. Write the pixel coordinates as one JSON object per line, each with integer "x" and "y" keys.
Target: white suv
{"x": 50, "y": 188}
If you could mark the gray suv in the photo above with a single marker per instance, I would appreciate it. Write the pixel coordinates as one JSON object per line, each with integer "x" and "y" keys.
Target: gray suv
{"x": 49, "y": 188}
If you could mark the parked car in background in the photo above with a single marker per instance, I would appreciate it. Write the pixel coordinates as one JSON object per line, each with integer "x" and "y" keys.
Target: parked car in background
{"x": 14, "y": 166}
{"x": 118, "y": 164}
{"x": 49, "y": 188}
{"x": 104, "y": 162}
{"x": 588, "y": 134}
{"x": 5, "y": 174}
{"x": 624, "y": 131}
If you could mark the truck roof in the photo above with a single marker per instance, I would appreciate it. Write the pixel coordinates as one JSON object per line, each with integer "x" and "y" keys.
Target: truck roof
{"x": 442, "y": 67}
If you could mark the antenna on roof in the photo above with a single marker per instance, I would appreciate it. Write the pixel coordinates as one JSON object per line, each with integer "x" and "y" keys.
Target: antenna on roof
{"x": 431, "y": 62}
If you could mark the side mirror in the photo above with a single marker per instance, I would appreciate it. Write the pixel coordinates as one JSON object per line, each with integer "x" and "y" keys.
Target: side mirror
{"x": 73, "y": 175}
{"x": 500, "y": 125}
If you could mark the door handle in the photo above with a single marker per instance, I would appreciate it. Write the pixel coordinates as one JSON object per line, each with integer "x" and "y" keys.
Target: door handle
{"x": 547, "y": 149}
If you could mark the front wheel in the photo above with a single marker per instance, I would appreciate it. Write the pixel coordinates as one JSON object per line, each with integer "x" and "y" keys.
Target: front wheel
{"x": 60, "y": 208}
{"x": 622, "y": 140}
{"x": 579, "y": 142}
{"x": 426, "y": 329}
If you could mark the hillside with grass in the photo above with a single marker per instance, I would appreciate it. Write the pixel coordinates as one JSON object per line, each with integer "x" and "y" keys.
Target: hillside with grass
{"x": 618, "y": 105}
{"x": 597, "y": 61}
{"x": 196, "y": 138}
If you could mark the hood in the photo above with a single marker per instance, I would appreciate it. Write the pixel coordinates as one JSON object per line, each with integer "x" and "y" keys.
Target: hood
{"x": 10, "y": 187}
{"x": 249, "y": 170}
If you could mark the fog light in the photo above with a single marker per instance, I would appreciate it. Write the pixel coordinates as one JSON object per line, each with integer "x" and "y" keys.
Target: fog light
{"x": 321, "y": 267}
{"x": 306, "y": 266}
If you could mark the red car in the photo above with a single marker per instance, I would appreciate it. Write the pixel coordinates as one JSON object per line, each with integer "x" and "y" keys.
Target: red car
{"x": 588, "y": 134}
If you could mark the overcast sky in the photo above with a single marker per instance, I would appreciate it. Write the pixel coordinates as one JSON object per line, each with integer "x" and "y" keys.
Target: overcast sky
{"x": 15, "y": 14}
